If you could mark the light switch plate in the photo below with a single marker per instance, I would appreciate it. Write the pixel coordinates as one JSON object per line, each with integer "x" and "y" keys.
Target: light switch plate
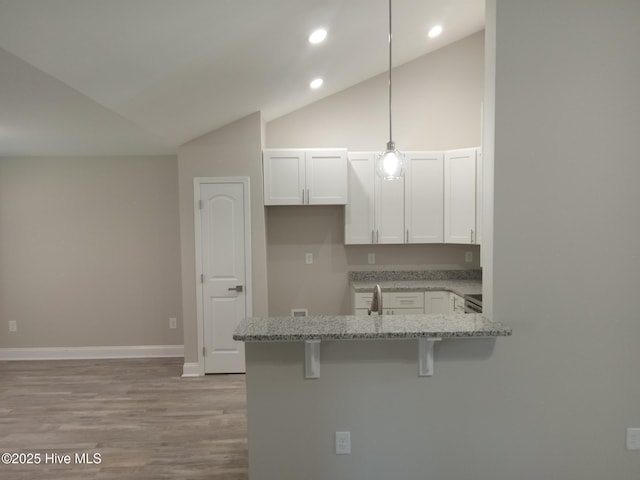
{"x": 633, "y": 438}
{"x": 308, "y": 258}
{"x": 468, "y": 257}
{"x": 371, "y": 259}
{"x": 13, "y": 326}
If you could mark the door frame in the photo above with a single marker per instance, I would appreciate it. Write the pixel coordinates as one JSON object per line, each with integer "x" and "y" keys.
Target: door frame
{"x": 197, "y": 182}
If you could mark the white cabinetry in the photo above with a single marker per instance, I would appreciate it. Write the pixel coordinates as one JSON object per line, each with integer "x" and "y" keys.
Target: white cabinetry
{"x": 424, "y": 197}
{"x": 408, "y": 210}
{"x": 457, "y": 303}
{"x": 389, "y": 210}
{"x": 394, "y": 303}
{"x": 437, "y": 302}
{"x": 375, "y": 208}
{"x": 399, "y": 303}
{"x": 305, "y": 177}
{"x": 359, "y": 225}
{"x": 460, "y": 195}
{"x": 436, "y": 202}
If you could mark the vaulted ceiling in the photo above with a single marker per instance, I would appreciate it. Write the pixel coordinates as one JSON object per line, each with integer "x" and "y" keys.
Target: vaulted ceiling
{"x": 128, "y": 77}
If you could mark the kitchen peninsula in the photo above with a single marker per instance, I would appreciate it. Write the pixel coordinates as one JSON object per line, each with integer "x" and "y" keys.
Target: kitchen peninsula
{"x": 376, "y": 385}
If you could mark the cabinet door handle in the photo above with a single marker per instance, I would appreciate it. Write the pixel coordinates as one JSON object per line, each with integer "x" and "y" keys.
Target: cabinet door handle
{"x": 303, "y": 196}
{"x": 377, "y": 236}
{"x": 372, "y": 238}
{"x": 472, "y": 235}
{"x": 308, "y": 197}
{"x": 407, "y": 236}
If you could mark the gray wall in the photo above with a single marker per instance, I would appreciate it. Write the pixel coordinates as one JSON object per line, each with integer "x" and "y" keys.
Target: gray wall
{"x": 233, "y": 150}
{"x": 323, "y": 287}
{"x": 554, "y": 400}
{"x": 437, "y": 105}
{"x": 89, "y": 251}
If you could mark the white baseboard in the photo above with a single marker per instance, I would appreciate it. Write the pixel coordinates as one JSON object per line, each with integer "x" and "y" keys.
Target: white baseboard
{"x": 191, "y": 370}
{"x": 90, "y": 353}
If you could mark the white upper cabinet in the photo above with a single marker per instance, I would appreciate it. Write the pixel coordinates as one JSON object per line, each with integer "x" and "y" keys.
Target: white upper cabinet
{"x": 460, "y": 190}
{"x": 408, "y": 210}
{"x": 284, "y": 177}
{"x": 375, "y": 210}
{"x": 305, "y": 177}
{"x": 389, "y": 210}
{"x": 359, "y": 224}
{"x": 424, "y": 197}
{"x": 326, "y": 177}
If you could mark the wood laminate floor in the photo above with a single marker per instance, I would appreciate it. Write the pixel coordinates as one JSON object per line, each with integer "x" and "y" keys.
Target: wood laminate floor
{"x": 140, "y": 416}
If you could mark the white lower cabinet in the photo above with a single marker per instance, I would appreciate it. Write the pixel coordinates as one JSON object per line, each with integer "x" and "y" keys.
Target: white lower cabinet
{"x": 437, "y": 302}
{"x": 406, "y": 303}
{"x": 457, "y": 303}
{"x": 393, "y": 303}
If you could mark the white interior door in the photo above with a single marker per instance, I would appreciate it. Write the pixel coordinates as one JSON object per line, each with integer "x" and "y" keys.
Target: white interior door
{"x": 223, "y": 257}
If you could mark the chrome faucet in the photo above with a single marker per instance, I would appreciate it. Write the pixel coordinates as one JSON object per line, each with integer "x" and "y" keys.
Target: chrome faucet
{"x": 376, "y": 301}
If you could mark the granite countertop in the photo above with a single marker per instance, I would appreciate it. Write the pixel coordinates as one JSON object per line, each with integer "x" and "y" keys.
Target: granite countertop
{"x": 459, "y": 287}
{"x": 460, "y": 282}
{"x": 351, "y": 327}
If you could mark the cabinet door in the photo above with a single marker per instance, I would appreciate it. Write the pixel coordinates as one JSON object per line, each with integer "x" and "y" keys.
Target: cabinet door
{"x": 457, "y": 303}
{"x": 424, "y": 197}
{"x": 284, "y": 177}
{"x": 460, "y": 196}
{"x": 359, "y": 213}
{"x": 326, "y": 177}
{"x": 437, "y": 302}
{"x": 389, "y": 210}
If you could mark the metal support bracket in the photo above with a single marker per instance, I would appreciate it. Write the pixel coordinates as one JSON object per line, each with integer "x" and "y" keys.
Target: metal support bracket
{"x": 425, "y": 356}
{"x": 312, "y": 359}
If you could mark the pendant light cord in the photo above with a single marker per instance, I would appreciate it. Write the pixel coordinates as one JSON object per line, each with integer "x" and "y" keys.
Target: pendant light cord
{"x": 390, "y": 44}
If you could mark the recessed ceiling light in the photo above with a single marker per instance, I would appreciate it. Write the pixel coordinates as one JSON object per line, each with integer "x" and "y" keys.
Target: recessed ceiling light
{"x": 318, "y": 36}
{"x": 317, "y": 83}
{"x": 435, "y": 31}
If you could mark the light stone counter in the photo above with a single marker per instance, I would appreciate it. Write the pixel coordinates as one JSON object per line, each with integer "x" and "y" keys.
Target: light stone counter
{"x": 459, "y": 287}
{"x": 460, "y": 282}
{"x": 351, "y": 327}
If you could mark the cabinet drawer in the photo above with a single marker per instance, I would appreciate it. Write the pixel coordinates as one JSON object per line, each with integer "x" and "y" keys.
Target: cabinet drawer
{"x": 363, "y": 300}
{"x": 404, "y": 300}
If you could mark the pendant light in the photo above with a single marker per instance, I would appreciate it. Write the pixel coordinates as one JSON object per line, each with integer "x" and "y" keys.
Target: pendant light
{"x": 390, "y": 163}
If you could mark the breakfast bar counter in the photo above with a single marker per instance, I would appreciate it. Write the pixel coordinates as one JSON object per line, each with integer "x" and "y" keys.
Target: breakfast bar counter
{"x": 352, "y": 327}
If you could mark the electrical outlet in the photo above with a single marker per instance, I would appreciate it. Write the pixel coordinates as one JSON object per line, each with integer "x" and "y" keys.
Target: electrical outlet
{"x": 633, "y": 438}
{"x": 308, "y": 258}
{"x": 173, "y": 322}
{"x": 468, "y": 257}
{"x": 13, "y": 326}
{"x": 371, "y": 259}
{"x": 343, "y": 443}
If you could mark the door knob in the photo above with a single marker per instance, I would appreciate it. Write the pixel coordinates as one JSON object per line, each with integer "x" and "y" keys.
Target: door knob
{"x": 237, "y": 288}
